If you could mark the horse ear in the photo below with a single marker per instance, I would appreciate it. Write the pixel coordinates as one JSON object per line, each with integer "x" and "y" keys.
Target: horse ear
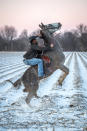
{"x": 40, "y": 26}
{"x": 43, "y": 25}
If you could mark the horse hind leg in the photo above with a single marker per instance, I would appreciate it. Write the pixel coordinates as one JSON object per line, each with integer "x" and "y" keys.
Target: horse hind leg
{"x": 32, "y": 89}
{"x": 63, "y": 76}
{"x": 30, "y": 81}
{"x": 29, "y": 97}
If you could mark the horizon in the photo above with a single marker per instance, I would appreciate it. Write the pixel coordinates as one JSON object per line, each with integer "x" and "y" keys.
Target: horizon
{"x": 28, "y": 14}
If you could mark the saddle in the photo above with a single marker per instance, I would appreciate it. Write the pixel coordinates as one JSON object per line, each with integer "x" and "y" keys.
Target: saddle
{"x": 46, "y": 59}
{"x": 47, "y": 64}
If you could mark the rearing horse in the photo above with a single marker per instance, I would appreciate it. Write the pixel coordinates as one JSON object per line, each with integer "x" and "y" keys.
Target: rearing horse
{"x": 30, "y": 77}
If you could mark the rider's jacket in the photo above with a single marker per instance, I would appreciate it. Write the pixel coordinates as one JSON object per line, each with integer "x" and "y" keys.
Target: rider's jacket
{"x": 36, "y": 51}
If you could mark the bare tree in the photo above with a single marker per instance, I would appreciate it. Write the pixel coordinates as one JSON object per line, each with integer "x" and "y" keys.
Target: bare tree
{"x": 82, "y": 33}
{"x": 24, "y": 38}
{"x": 8, "y": 32}
{"x": 81, "y": 29}
{"x": 24, "y": 34}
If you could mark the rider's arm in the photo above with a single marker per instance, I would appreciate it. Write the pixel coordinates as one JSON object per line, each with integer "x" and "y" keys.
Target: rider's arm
{"x": 27, "y": 54}
{"x": 35, "y": 47}
{"x": 38, "y": 48}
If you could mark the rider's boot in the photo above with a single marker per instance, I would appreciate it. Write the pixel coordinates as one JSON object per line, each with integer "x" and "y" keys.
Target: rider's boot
{"x": 42, "y": 77}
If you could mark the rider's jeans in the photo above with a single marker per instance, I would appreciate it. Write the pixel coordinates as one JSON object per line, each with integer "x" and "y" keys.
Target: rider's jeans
{"x": 35, "y": 61}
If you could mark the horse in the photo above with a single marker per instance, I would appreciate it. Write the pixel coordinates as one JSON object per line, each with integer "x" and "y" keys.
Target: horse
{"x": 30, "y": 77}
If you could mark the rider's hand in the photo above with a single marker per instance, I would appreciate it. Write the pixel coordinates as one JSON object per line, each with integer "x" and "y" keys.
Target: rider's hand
{"x": 51, "y": 45}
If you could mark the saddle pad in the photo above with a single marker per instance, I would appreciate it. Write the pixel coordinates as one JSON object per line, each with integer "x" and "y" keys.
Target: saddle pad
{"x": 46, "y": 59}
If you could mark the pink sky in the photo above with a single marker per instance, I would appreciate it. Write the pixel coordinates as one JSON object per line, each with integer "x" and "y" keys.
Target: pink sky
{"x": 28, "y": 14}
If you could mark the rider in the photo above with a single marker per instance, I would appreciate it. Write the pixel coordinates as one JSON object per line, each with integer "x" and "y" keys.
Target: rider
{"x": 33, "y": 56}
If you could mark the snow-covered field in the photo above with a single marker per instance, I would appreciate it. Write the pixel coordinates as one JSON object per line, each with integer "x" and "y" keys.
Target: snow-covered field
{"x": 59, "y": 108}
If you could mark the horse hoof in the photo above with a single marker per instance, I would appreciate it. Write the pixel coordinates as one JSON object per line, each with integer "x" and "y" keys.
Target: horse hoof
{"x": 60, "y": 83}
{"x": 25, "y": 90}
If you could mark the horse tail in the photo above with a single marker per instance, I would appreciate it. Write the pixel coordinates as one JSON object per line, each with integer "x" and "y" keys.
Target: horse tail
{"x": 16, "y": 83}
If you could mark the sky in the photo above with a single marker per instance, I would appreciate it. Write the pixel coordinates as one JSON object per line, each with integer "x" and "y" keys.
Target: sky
{"x": 28, "y": 14}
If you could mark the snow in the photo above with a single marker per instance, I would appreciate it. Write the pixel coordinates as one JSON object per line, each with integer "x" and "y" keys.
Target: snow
{"x": 59, "y": 108}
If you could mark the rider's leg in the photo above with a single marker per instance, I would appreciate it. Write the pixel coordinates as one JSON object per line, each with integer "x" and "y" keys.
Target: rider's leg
{"x": 36, "y": 61}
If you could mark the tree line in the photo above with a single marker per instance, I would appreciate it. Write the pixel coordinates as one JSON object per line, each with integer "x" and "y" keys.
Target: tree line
{"x": 74, "y": 40}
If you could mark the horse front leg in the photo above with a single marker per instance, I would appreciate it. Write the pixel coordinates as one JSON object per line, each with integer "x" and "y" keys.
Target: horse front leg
{"x": 30, "y": 96}
{"x": 65, "y": 73}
